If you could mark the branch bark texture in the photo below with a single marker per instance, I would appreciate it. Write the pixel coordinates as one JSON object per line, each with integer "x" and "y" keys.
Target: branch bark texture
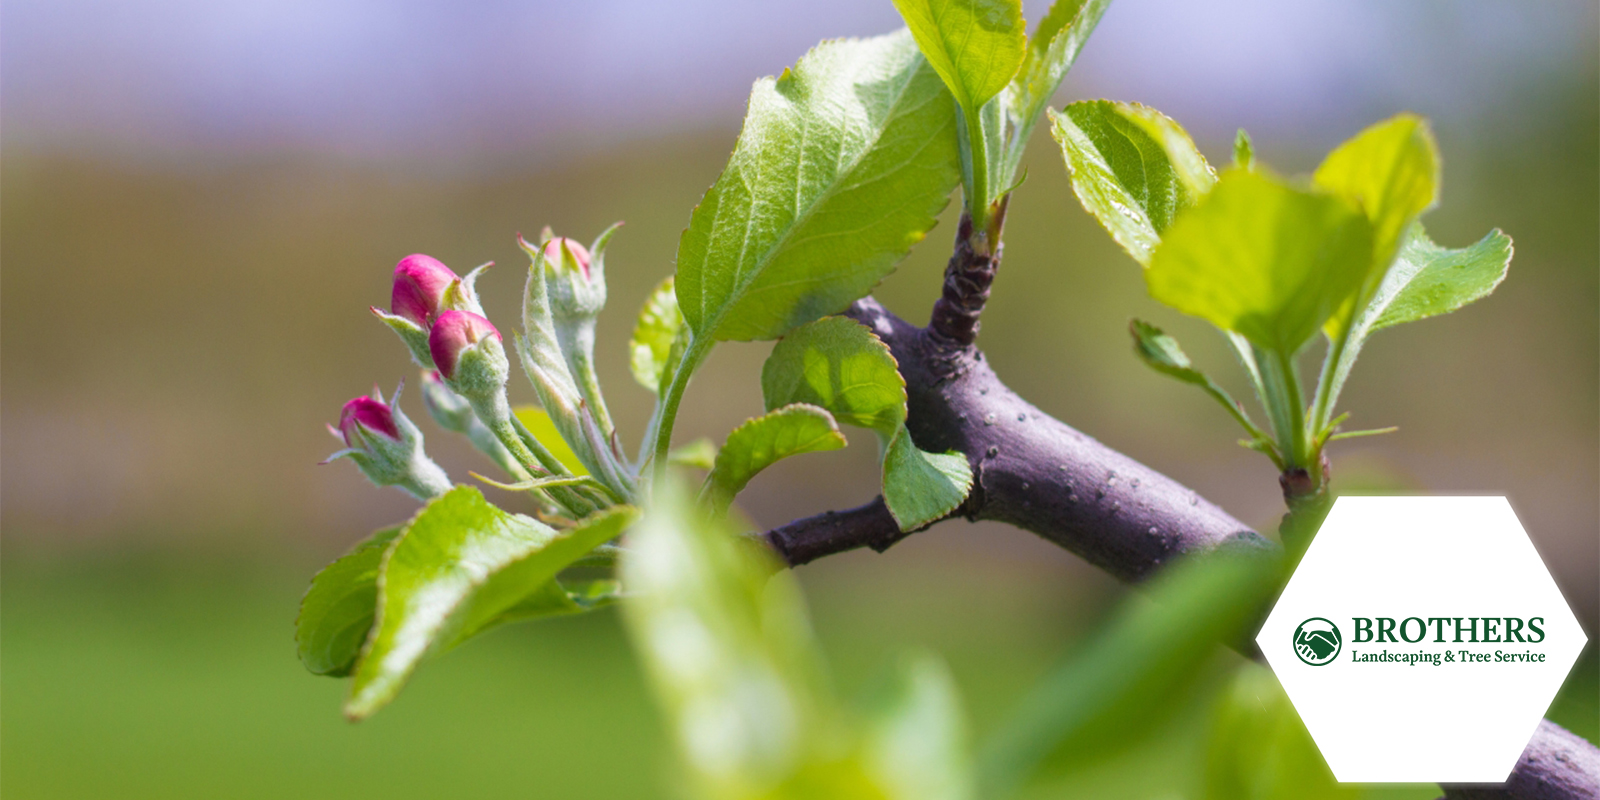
{"x": 1039, "y": 474}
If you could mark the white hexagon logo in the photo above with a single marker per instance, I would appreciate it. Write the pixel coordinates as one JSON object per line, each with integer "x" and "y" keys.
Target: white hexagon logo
{"x": 1421, "y": 639}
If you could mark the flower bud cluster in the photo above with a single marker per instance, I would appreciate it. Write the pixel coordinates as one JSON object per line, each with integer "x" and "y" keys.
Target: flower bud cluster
{"x": 436, "y": 313}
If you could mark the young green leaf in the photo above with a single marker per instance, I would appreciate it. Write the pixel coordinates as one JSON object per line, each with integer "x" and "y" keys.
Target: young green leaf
{"x": 974, "y": 45}
{"x": 1163, "y": 354}
{"x": 1052, "y": 49}
{"x": 651, "y": 351}
{"x": 921, "y": 487}
{"x": 1263, "y": 259}
{"x": 761, "y": 442}
{"x": 1130, "y": 676}
{"x": 338, "y": 608}
{"x": 1391, "y": 172}
{"x": 1426, "y": 280}
{"x": 843, "y": 164}
{"x": 1429, "y": 280}
{"x": 1244, "y": 151}
{"x": 1132, "y": 167}
{"x": 839, "y": 365}
{"x": 460, "y": 564}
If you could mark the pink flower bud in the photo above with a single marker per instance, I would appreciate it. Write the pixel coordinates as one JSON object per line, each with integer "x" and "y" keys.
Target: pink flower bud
{"x": 576, "y": 252}
{"x": 367, "y": 414}
{"x": 420, "y": 282}
{"x": 453, "y": 332}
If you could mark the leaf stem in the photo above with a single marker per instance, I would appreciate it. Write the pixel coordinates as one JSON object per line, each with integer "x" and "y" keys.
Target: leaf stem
{"x": 977, "y": 189}
{"x": 1285, "y": 406}
{"x": 667, "y": 412}
{"x": 1322, "y": 405}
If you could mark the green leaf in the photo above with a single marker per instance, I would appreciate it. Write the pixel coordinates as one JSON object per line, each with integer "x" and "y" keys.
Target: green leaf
{"x": 1135, "y": 672}
{"x": 1052, "y": 50}
{"x": 538, "y": 422}
{"x": 761, "y": 442}
{"x": 975, "y": 45}
{"x": 1163, "y": 354}
{"x": 843, "y": 164}
{"x": 916, "y": 737}
{"x": 459, "y": 565}
{"x": 555, "y": 599}
{"x": 1426, "y": 280}
{"x": 921, "y": 487}
{"x": 652, "y": 355}
{"x": 1132, "y": 167}
{"x": 1391, "y": 172}
{"x": 337, "y": 610}
{"x": 1429, "y": 280}
{"x": 1259, "y": 750}
{"x": 838, "y": 364}
{"x": 1262, "y": 259}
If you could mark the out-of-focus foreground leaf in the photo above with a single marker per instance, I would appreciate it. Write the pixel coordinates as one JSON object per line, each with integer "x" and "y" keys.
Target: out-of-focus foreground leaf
{"x": 1131, "y": 675}
{"x": 1263, "y": 259}
{"x": 1259, "y": 749}
{"x": 724, "y": 635}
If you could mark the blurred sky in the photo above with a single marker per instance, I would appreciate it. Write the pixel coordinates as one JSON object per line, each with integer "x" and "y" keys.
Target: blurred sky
{"x": 470, "y": 81}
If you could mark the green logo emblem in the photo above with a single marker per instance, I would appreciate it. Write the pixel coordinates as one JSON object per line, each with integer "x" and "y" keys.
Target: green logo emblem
{"x": 1317, "y": 641}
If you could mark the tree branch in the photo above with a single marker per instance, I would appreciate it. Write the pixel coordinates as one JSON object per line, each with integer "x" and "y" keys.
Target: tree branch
{"x": 1039, "y": 474}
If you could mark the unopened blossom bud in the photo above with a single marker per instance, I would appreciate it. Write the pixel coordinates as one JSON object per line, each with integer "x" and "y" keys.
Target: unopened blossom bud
{"x": 565, "y": 293}
{"x": 423, "y": 289}
{"x": 420, "y": 282}
{"x": 388, "y": 447}
{"x": 458, "y": 334}
{"x": 574, "y": 278}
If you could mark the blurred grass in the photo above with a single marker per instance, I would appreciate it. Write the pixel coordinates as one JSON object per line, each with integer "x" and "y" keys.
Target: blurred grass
{"x": 154, "y": 674}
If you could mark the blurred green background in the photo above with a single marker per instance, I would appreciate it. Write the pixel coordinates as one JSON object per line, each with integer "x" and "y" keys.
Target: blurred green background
{"x": 198, "y": 203}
